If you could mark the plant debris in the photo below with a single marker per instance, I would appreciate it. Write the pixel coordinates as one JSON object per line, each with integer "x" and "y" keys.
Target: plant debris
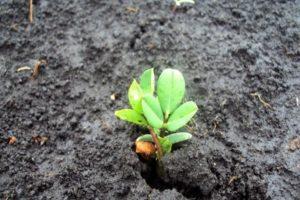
{"x": 132, "y": 9}
{"x": 151, "y": 46}
{"x": 38, "y": 67}
{"x": 215, "y": 123}
{"x": 232, "y": 179}
{"x": 25, "y": 68}
{"x": 12, "y": 139}
{"x": 265, "y": 104}
{"x": 40, "y": 139}
{"x": 113, "y": 97}
{"x": 30, "y": 11}
{"x": 294, "y": 144}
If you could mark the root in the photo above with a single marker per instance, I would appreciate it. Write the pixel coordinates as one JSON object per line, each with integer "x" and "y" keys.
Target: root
{"x": 192, "y": 126}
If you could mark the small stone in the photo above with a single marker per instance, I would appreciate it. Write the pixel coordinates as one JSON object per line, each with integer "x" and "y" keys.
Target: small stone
{"x": 294, "y": 144}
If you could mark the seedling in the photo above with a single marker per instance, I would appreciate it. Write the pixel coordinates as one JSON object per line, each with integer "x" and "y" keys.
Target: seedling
{"x": 162, "y": 113}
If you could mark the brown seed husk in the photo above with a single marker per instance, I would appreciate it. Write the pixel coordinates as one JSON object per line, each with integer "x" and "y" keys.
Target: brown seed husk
{"x": 146, "y": 148}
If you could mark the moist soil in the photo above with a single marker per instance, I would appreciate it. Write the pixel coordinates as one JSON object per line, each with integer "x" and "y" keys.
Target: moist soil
{"x": 69, "y": 144}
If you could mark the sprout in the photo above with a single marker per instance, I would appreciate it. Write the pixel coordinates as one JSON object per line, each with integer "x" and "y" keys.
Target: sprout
{"x": 164, "y": 113}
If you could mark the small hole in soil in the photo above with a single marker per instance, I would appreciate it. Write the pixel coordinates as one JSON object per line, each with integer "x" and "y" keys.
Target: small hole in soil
{"x": 132, "y": 43}
{"x": 152, "y": 178}
{"x": 143, "y": 29}
{"x": 162, "y": 22}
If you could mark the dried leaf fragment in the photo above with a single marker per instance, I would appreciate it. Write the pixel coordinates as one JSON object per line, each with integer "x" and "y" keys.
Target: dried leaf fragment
{"x": 40, "y": 139}
{"x": 294, "y": 144}
{"x": 145, "y": 148}
{"x": 150, "y": 46}
{"x": 232, "y": 179}
{"x": 30, "y": 11}
{"x": 12, "y": 139}
{"x": 38, "y": 67}
{"x": 113, "y": 97}
{"x": 131, "y": 9}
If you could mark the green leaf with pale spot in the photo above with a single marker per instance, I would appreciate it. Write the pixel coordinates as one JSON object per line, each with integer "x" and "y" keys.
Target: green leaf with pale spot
{"x": 135, "y": 95}
{"x": 178, "y": 137}
{"x": 131, "y": 116}
{"x": 182, "y": 115}
{"x": 170, "y": 90}
{"x": 152, "y": 111}
{"x": 148, "y": 81}
{"x": 173, "y": 138}
{"x": 145, "y": 138}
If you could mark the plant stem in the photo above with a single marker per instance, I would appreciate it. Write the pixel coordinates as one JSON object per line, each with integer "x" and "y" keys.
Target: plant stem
{"x": 157, "y": 144}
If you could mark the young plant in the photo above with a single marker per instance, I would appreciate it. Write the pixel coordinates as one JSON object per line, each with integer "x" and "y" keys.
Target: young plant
{"x": 162, "y": 113}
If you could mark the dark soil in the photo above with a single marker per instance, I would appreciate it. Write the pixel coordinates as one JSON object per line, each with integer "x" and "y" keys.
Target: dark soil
{"x": 226, "y": 51}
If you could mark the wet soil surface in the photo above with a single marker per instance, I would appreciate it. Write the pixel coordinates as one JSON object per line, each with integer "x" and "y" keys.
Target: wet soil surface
{"x": 68, "y": 143}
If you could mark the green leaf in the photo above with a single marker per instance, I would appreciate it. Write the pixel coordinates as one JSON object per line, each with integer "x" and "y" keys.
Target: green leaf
{"x": 135, "y": 95}
{"x": 131, "y": 116}
{"x": 152, "y": 111}
{"x": 181, "y": 116}
{"x": 170, "y": 90}
{"x": 178, "y": 137}
{"x": 148, "y": 81}
{"x": 145, "y": 138}
{"x": 156, "y": 131}
{"x": 165, "y": 144}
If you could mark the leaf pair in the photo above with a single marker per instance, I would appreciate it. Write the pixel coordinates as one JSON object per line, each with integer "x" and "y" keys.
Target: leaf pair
{"x": 136, "y": 93}
{"x": 170, "y": 92}
{"x": 152, "y": 111}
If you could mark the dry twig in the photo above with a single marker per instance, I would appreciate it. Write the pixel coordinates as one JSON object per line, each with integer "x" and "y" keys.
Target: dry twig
{"x": 37, "y": 68}
{"x": 24, "y": 68}
{"x": 265, "y": 104}
{"x": 232, "y": 179}
{"x": 215, "y": 123}
{"x": 39, "y": 139}
{"x": 132, "y": 9}
{"x": 30, "y": 11}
